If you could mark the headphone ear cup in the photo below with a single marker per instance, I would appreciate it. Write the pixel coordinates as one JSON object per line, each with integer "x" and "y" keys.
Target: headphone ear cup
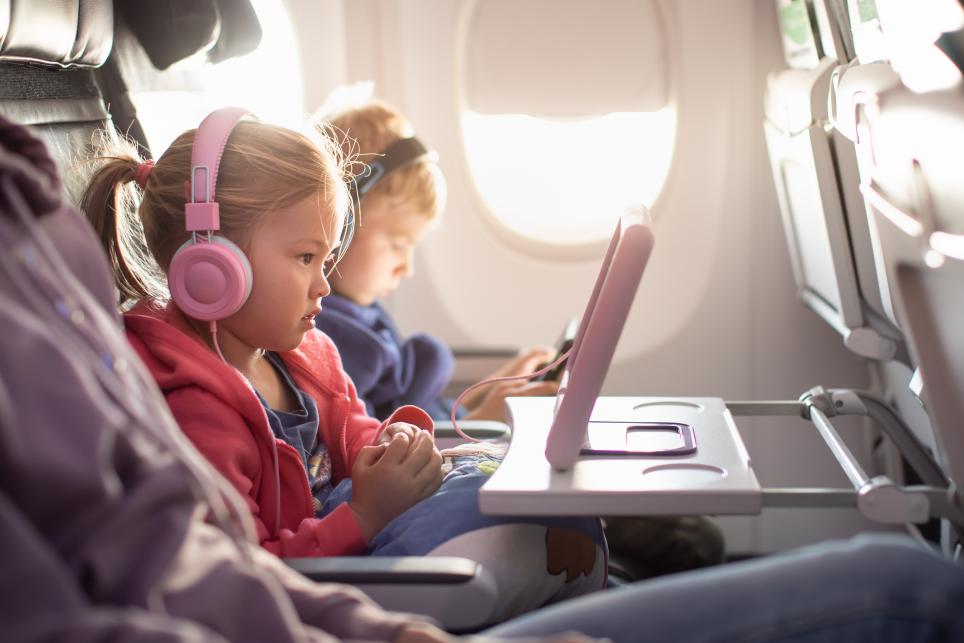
{"x": 209, "y": 281}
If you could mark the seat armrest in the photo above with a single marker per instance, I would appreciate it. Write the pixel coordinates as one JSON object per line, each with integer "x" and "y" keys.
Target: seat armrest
{"x": 458, "y": 593}
{"x": 358, "y": 570}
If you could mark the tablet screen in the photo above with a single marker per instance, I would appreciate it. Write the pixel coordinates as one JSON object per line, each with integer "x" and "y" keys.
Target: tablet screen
{"x": 597, "y": 335}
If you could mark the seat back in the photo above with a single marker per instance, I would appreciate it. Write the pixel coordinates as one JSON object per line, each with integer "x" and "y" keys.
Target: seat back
{"x": 855, "y": 89}
{"x": 48, "y": 75}
{"x": 911, "y": 149}
{"x": 853, "y": 185}
{"x": 822, "y": 213}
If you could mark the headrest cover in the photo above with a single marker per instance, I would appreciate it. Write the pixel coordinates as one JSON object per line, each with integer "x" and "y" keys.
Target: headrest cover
{"x": 240, "y": 31}
{"x": 172, "y": 30}
{"x": 62, "y": 34}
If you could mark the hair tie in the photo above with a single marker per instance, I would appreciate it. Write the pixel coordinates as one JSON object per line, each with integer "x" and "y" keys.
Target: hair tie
{"x": 142, "y": 172}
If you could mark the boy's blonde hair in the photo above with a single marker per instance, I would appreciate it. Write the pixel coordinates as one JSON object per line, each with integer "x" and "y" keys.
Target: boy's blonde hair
{"x": 369, "y": 129}
{"x": 263, "y": 168}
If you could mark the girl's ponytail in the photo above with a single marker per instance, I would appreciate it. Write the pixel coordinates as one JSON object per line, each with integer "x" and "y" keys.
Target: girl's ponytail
{"x": 110, "y": 203}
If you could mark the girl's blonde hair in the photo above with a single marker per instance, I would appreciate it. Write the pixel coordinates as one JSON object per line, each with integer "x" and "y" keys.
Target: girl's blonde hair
{"x": 370, "y": 128}
{"x": 263, "y": 168}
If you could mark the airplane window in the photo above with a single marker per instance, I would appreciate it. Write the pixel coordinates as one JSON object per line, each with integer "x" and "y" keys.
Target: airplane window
{"x": 565, "y": 182}
{"x": 560, "y": 140}
{"x": 267, "y": 81}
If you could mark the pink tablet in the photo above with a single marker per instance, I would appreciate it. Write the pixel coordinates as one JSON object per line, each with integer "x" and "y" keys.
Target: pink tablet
{"x": 599, "y": 330}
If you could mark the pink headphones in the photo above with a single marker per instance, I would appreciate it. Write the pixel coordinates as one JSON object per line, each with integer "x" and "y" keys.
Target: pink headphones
{"x": 209, "y": 277}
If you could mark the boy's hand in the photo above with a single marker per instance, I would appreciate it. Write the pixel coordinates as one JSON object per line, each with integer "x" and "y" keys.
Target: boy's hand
{"x": 492, "y": 406}
{"x": 390, "y": 477}
{"x": 525, "y": 362}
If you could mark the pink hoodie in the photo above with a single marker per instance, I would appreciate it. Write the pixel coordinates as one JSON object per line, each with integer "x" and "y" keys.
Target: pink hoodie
{"x": 218, "y": 410}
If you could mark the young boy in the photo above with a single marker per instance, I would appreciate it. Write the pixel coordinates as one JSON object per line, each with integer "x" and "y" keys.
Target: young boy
{"x": 401, "y": 197}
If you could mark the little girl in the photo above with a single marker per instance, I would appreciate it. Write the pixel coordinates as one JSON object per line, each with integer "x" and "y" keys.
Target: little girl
{"x": 259, "y": 392}
{"x": 246, "y": 221}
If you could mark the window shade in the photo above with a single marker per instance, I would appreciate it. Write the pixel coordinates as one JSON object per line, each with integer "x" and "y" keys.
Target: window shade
{"x": 565, "y": 58}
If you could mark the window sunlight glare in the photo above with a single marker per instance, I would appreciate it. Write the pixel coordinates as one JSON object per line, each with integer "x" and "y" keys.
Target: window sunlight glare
{"x": 566, "y": 182}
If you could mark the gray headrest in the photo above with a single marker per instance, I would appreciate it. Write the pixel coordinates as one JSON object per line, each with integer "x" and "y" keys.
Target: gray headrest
{"x": 172, "y": 30}
{"x": 52, "y": 32}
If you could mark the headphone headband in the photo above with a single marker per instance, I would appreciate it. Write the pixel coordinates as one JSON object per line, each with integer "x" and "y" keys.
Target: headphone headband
{"x": 397, "y": 155}
{"x": 209, "y": 276}
{"x": 201, "y": 213}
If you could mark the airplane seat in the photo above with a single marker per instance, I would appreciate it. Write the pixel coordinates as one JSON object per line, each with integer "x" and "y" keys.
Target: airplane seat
{"x": 911, "y": 133}
{"x": 823, "y": 228}
{"x": 898, "y": 105}
{"x": 814, "y": 172}
{"x": 887, "y": 55}
{"x": 917, "y": 201}
{"x": 812, "y": 108}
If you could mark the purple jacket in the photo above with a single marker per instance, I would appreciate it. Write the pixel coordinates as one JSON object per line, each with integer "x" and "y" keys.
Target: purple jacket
{"x": 388, "y": 371}
{"x": 113, "y": 526}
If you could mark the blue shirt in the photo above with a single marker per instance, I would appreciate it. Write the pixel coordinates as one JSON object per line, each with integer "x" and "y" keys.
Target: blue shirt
{"x": 299, "y": 430}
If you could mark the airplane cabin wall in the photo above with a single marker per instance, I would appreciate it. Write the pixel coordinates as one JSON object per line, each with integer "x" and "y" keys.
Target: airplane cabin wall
{"x": 716, "y": 313}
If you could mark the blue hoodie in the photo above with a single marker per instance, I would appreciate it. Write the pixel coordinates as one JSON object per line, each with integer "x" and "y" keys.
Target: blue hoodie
{"x": 387, "y": 371}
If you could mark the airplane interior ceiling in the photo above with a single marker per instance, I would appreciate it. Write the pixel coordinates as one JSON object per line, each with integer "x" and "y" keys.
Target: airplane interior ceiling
{"x": 716, "y": 313}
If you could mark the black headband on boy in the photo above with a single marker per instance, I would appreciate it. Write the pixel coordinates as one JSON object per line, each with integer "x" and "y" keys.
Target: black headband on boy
{"x": 395, "y": 156}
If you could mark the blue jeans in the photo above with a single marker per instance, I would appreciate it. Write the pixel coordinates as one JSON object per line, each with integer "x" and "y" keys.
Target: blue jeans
{"x": 877, "y": 587}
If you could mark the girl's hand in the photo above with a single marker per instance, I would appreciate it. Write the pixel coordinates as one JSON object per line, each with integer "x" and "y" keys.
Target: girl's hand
{"x": 389, "y": 478}
{"x": 399, "y": 427}
{"x": 525, "y": 362}
{"x": 492, "y": 406}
